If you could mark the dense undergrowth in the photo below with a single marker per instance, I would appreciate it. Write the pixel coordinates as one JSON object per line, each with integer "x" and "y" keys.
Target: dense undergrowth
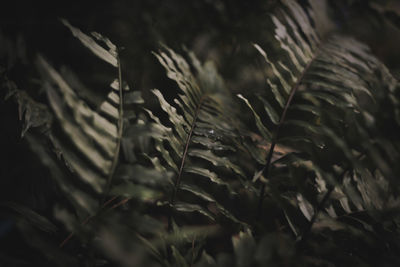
{"x": 299, "y": 172}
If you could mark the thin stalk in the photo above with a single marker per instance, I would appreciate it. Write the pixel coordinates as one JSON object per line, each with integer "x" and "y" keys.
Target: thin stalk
{"x": 87, "y": 220}
{"x": 183, "y": 160}
{"x": 266, "y": 168}
{"x": 120, "y": 130}
{"x": 320, "y": 206}
{"x": 192, "y": 258}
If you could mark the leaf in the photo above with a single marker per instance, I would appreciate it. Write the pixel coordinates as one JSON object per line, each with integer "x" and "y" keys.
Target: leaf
{"x": 154, "y": 251}
{"x": 213, "y": 177}
{"x": 272, "y": 114}
{"x": 212, "y": 144}
{"x": 186, "y": 207}
{"x": 179, "y": 259}
{"x": 110, "y": 56}
{"x": 195, "y": 190}
{"x": 244, "y": 246}
{"x": 263, "y": 130}
{"x": 276, "y": 72}
{"x": 97, "y": 135}
{"x": 31, "y": 216}
{"x": 305, "y": 207}
{"x": 176, "y": 119}
{"x": 83, "y": 204}
{"x": 134, "y": 97}
{"x": 215, "y": 160}
{"x": 81, "y": 124}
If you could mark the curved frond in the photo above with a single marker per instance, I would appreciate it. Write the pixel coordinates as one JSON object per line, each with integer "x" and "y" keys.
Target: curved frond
{"x": 95, "y": 135}
{"x": 325, "y": 90}
{"x": 201, "y": 131}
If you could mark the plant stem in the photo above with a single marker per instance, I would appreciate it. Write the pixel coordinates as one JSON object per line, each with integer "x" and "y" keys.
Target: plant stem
{"x": 267, "y": 166}
{"x": 87, "y": 220}
{"x": 184, "y": 156}
{"x": 320, "y": 206}
{"x": 120, "y": 130}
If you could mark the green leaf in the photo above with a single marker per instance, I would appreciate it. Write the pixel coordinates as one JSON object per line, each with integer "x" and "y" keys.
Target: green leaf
{"x": 109, "y": 56}
{"x": 272, "y": 114}
{"x": 213, "y": 177}
{"x": 216, "y": 160}
{"x": 176, "y": 119}
{"x": 244, "y": 247}
{"x": 212, "y": 144}
{"x": 179, "y": 259}
{"x": 31, "y": 216}
{"x": 263, "y": 130}
{"x": 283, "y": 82}
{"x": 134, "y": 97}
{"x": 87, "y": 129}
{"x": 189, "y": 208}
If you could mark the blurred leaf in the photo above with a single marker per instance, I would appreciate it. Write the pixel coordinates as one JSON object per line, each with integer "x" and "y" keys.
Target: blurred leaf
{"x": 31, "y": 216}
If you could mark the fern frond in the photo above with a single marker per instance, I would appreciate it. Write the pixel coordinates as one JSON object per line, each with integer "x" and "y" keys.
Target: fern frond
{"x": 322, "y": 87}
{"x": 89, "y": 140}
{"x": 110, "y": 56}
{"x": 96, "y": 136}
{"x": 201, "y": 132}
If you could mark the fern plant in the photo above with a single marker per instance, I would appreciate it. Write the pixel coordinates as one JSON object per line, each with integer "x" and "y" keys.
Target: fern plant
{"x": 303, "y": 173}
{"x": 332, "y": 88}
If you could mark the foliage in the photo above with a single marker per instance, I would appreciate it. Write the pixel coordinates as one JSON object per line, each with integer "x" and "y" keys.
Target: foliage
{"x": 300, "y": 173}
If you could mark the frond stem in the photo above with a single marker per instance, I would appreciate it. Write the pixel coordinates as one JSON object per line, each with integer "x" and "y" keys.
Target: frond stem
{"x": 301, "y": 239}
{"x": 266, "y": 168}
{"x": 120, "y": 130}
{"x": 184, "y": 156}
{"x": 88, "y": 219}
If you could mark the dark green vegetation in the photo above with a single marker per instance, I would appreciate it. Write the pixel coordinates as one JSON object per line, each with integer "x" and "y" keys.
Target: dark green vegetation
{"x": 277, "y": 144}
